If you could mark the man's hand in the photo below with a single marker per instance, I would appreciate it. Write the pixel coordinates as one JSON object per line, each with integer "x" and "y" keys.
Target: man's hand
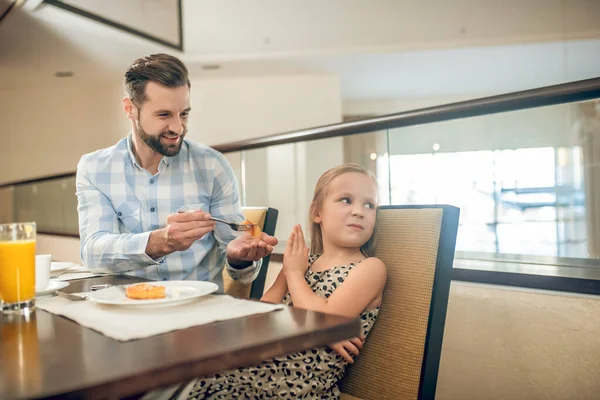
{"x": 348, "y": 348}
{"x": 246, "y": 248}
{"x": 180, "y": 232}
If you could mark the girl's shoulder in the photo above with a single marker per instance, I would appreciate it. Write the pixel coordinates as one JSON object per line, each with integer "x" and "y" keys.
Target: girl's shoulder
{"x": 371, "y": 266}
{"x": 373, "y": 262}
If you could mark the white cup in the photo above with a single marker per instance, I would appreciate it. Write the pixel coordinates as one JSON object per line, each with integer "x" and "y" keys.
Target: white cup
{"x": 42, "y": 271}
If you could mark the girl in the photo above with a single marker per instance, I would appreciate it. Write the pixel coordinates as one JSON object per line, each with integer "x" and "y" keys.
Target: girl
{"x": 341, "y": 276}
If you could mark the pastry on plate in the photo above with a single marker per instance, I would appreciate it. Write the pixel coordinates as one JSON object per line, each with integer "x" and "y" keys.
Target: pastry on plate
{"x": 145, "y": 291}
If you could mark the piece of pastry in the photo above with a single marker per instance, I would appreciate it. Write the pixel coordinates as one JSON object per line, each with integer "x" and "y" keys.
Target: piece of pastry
{"x": 254, "y": 231}
{"x": 145, "y": 291}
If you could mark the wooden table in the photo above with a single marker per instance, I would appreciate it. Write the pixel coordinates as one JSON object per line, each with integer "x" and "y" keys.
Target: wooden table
{"x": 51, "y": 356}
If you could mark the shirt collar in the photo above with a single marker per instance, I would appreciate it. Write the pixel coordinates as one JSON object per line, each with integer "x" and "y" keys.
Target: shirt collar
{"x": 164, "y": 161}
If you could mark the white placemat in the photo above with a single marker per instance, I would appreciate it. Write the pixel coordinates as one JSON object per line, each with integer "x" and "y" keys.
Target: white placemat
{"x": 127, "y": 323}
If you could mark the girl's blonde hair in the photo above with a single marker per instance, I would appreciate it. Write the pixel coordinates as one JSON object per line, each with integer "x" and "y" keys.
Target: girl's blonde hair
{"x": 316, "y": 236}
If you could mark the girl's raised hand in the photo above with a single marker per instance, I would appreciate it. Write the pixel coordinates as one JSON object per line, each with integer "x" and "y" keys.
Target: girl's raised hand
{"x": 295, "y": 257}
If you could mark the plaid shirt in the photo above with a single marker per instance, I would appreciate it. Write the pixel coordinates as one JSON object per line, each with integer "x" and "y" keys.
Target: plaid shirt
{"x": 120, "y": 203}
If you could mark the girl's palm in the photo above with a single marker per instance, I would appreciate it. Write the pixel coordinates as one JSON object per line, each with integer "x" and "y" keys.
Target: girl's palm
{"x": 295, "y": 257}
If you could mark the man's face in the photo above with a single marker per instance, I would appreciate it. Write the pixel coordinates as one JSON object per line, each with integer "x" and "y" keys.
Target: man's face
{"x": 162, "y": 119}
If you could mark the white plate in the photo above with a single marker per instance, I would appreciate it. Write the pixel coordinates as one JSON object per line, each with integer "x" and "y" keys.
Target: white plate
{"x": 52, "y": 287}
{"x": 61, "y": 266}
{"x": 177, "y": 292}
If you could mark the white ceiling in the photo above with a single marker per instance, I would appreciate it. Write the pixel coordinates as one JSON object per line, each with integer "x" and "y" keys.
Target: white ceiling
{"x": 249, "y": 29}
{"x": 36, "y": 44}
{"x": 447, "y": 72}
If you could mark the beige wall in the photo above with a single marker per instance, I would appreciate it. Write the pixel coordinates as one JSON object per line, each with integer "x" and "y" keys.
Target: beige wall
{"x": 373, "y": 107}
{"x": 46, "y": 130}
{"x": 60, "y": 247}
{"x": 502, "y": 343}
{"x": 227, "y": 109}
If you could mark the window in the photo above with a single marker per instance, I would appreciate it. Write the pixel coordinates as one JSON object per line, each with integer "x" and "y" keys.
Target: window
{"x": 524, "y": 201}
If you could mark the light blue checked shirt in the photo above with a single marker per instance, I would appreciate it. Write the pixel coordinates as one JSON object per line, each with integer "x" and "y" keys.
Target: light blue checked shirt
{"x": 120, "y": 203}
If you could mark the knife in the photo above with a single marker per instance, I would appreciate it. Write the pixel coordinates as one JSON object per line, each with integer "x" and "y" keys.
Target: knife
{"x": 73, "y": 296}
{"x": 84, "y": 295}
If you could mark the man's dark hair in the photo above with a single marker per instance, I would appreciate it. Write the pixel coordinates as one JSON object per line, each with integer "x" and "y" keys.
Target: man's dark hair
{"x": 160, "y": 68}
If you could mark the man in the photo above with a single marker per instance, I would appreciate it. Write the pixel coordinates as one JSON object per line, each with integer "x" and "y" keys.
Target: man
{"x": 130, "y": 194}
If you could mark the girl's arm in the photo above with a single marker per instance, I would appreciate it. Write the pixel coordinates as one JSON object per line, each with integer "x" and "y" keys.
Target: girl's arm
{"x": 277, "y": 291}
{"x": 363, "y": 285}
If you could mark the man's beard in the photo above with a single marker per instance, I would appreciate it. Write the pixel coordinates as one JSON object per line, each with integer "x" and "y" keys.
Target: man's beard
{"x": 155, "y": 144}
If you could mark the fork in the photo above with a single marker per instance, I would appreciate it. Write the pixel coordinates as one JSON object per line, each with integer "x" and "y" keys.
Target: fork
{"x": 232, "y": 225}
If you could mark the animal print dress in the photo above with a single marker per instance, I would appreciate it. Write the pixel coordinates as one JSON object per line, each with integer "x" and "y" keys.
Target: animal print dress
{"x": 310, "y": 374}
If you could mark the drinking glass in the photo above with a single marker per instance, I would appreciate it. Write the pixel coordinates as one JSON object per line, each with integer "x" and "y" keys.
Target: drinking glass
{"x": 17, "y": 268}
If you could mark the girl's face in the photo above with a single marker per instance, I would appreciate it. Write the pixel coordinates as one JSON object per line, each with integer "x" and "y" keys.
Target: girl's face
{"x": 347, "y": 215}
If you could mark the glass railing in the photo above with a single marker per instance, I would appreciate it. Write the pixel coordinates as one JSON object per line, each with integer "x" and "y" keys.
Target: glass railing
{"x": 523, "y": 168}
{"x": 519, "y": 178}
{"x": 526, "y": 181}
{"x": 523, "y": 179}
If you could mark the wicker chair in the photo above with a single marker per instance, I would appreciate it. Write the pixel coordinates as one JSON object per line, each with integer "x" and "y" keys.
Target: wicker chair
{"x": 401, "y": 356}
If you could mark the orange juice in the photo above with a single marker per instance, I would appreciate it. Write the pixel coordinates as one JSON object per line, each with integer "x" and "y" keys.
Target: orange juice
{"x": 17, "y": 271}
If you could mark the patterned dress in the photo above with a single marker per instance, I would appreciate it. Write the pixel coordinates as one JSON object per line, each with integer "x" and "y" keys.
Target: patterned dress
{"x": 309, "y": 374}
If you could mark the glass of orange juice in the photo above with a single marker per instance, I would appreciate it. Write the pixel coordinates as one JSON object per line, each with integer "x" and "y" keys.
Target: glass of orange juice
{"x": 17, "y": 268}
